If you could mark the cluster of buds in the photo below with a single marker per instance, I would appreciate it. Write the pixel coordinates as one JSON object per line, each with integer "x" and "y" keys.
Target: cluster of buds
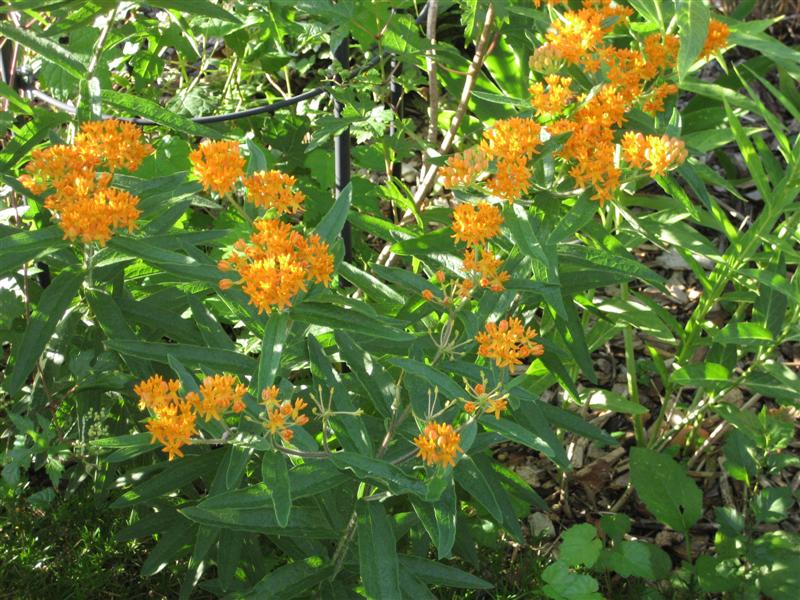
{"x": 482, "y": 401}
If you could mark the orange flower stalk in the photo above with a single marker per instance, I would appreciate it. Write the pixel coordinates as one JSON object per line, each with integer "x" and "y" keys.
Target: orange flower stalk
{"x": 463, "y": 169}
{"x": 116, "y": 144}
{"x": 716, "y": 38}
{"x": 273, "y": 189}
{"x": 438, "y": 444}
{"x": 508, "y": 342}
{"x": 218, "y": 165}
{"x": 277, "y": 263}
{"x": 474, "y": 224}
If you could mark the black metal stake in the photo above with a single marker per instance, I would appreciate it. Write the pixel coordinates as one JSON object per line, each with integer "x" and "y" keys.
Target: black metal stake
{"x": 396, "y": 100}
{"x": 341, "y": 149}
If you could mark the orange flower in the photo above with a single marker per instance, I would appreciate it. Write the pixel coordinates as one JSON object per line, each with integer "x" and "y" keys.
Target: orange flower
{"x": 218, "y": 394}
{"x": 155, "y": 393}
{"x": 654, "y": 153}
{"x": 463, "y": 169}
{"x": 655, "y": 103}
{"x": 282, "y": 415}
{"x": 273, "y": 189}
{"x": 218, "y": 165}
{"x": 512, "y": 138}
{"x": 716, "y": 39}
{"x": 555, "y": 98}
{"x": 512, "y": 180}
{"x": 497, "y": 406}
{"x": 476, "y": 223}
{"x": 174, "y": 422}
{"x": 470, "y": 407}
{"x": 661, "y": 53}
{"x": 427, "y": 295}
{"x": 117, "y": 144}
{"x": 508, "y": 342}
{"x": 277, "y": 263}
{"x": 487, "y": 265}
{"x": 438, "y": 444}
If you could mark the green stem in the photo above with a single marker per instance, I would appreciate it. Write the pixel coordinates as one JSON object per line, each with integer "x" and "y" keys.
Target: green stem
{"x": 632, "y": 379}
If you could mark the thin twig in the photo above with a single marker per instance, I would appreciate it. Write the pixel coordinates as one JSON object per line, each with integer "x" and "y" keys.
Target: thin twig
{"x": 433, "y": 85}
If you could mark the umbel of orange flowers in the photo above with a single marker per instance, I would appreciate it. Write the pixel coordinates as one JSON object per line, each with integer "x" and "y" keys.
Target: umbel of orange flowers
{"x": 88, "y": 208}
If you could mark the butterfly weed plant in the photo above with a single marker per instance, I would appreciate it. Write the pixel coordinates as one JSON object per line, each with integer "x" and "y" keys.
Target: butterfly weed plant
{"x": 186, "y": 339}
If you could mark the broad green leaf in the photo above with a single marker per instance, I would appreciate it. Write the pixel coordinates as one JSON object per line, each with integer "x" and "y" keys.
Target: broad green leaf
{"x": 607, "y": 400}
{"x": 132, "y": 440}
{"x": 483, "y": 486}
{"x": 445, "y": 511}
{"x": 332, "y": 223}
{"x": 433, "y": 377}
{"x": 303, "y": 522}
{"x": 517, "y": 433}
{"x": 272, "y": 345}
{"x": 640, "y": 559}
{"x": 563, "y": 584}
{"x": 743, "y": 334}
{"x": 189, "y": 269}
{"x": 147, "y": 108}
{"x": 169, "y": 547}
{"x": 665, "y": 489}
{"x": 580, "y": 546}
{"x": 53, "y": 304}
{"x": 339, "y": 318}
{"x": 112, "y": 321}
{"x": 377, "y": 551}
{"x": 275, "y": 473}
{"x": 772, "y": 504}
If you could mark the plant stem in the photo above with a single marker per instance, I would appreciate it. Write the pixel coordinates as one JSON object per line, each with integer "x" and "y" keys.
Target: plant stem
{"x": 630, "y": 368}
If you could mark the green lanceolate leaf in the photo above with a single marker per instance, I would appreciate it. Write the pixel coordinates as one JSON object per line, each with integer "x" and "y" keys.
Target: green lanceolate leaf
{"x": 272, "y": 344}
{"x": 435, "y": 573}
{"x": 190, "y": 355}
{"x": 331, "y": 224}
{"x": 381, "y": 472}
{"x": 195, "y": 7}
{"x": 46, "y": 48}
{"x": 293, "y": 580}
{"x": 151, "y": 110}
{"x": 19, "y": 248}
{"x": 666, "y": 489}
{"x": 377, "y": 383}
{"x": 377, "y": 552}
{"x": 435, "y": 378}
{"x": 693, "y": 20}
{"x": 275, "y": 474}
{"x": 53, "y": 304}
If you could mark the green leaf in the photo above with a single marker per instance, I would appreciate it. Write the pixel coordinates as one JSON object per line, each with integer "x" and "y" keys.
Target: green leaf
{"x": 332, "y": 223}
{"x": 772, "y": 504}
{"x": 154, "y": 111}
{"x": 275, "y": 474}
{"x": 19, "y": 248}
{"x": 53, "y": 304}
{"x": 45, "y": 48}
{"x": 292, "y": 580}
{"x": 194, "y": 7}
{"x": 639, "y": 559}
{"x": 483, "y": 486}
{"x": 190, "y": 355}
{"x": 303, "y": 522}
{"x": 608, "y": 400}
{"x": 705, "y": 375}
{"x": 517, "y": 433}
{"x": 436, "y": 573}
{"x": 563, "y": 584}
{"x": 133, "y": 440}
{"x": 169, "y": 546}
{"x": 743, "y": 334}
{"x": 580, "y": 546}
{"x": 384, "y": 474}
{"x": 271, "y": 349}
{"x": 754, "y": 163}
{"x": 444, "y": 511}
{"x": 377, "y": 552}
{"x": 377, "y": 383}
{"x": 432, "y": 377}
{"x": 693, "y": 20}
{"x": 340, "y": 318}
{"x": 188, "y": 268}
{"x": 111, "y": 319}
{"x": 665, "y": 489}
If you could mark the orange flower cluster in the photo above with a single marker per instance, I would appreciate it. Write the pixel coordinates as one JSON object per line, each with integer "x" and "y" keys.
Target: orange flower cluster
{"x": 277, "y": 263}
{"x": 654, "y": 153}
{"x": 464, "y": 168}
{"x": 218, "y": 165}
{"x": 716, "y": 38}
{"x": 474, "y": 224}
{"x": 87, "y": 207}
{"x": 487, "y": 266}
{"x": 438, "y": 444}
{"x": 175, "y": 419}
{"x": 217, "y": 394}
{"x": 553, "y": 99}
{"x": 487, "y": 402}
{"x": 282, "y": 415}
{"x": 508, "y": 342}
{"x": 116, "y": 144}
{"x": 273, "y": 189}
